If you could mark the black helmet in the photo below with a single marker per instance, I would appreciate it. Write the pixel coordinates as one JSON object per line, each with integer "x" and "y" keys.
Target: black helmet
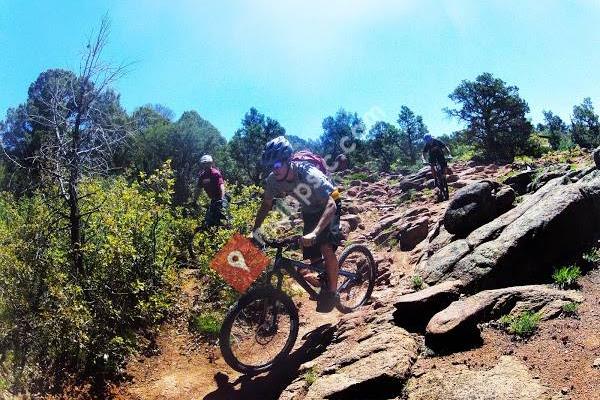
{"x": 278, "y": 149}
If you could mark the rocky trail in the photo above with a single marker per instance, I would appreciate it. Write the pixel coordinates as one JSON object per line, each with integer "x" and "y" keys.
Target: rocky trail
{"x": 488, "y": 252}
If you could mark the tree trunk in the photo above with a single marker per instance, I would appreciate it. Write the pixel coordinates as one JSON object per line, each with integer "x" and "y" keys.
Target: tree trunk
{"x": 74, "y": 212}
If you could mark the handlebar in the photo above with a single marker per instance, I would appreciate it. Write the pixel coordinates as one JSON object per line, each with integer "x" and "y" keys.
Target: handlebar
{"x": 292, "y": 243}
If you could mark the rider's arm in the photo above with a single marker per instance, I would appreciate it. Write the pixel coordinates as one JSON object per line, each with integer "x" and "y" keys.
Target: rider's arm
{"x": 222, "y": 190}
{"x": 448, "y": 150}
{"x": 263, "y": 211}
{"x": 326, "y": 217}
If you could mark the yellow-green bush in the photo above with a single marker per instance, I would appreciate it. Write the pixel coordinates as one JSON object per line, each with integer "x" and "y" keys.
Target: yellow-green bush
{"x": 54, "y": 321}
{"x": 217, "y": 295}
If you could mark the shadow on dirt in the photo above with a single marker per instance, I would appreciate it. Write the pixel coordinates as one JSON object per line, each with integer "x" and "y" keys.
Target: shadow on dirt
{"x": 271, "y": 385}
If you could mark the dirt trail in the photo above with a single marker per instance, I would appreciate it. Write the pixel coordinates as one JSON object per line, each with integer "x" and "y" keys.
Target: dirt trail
{"x": 186, "y": 370}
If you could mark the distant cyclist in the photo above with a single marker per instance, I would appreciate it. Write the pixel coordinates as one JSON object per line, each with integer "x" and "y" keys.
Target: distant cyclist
{"x": 211, "y": 181}
{"x": 435, "y": 150}
{"x": 320, "y": 209}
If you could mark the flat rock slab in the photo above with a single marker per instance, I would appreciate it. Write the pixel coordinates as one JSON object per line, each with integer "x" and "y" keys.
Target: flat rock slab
{"x": 464, "y": 315}
{"x": 367, "y": 349}
{"x": 508, "y": 380}
{"x": 418, "y": 307}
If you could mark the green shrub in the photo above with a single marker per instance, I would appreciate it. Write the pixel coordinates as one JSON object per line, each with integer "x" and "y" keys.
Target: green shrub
{"x": 417, "y": 282}
{"x": 310, "y": 376}
{"x": 207, "y": 323}
{"x": 407, "y": 197}
{"x": 55, "y": 320}
{"x": 357, "y": 176}
{"x": 463, "y": 152}
{"x": 523, "y": 324}
{"x": 566, "y": 277}
{"x": 570, "y": 308}
{"x": 592, "y": 256}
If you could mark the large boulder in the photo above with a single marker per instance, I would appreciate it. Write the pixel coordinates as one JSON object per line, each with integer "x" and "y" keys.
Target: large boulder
{"x": 406, "y": 229}
{"x": 416, "y": 309}
{"x": 369, "y": 356}
{"x": 412, "y": 232}
{"x": 596, "y": 157}
{"x": 520, "y": 181}
{"x": 508, "y": 380}
{"x": 476, "y": 204}
{"x": 560, "y": 219}
{"x": 547, "y": 174}
{"x": 460, "y": 318}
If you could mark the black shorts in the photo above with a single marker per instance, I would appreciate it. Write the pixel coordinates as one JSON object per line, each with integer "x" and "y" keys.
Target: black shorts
{"x": 330, "y": 235}
{"x": 217, "y": 213}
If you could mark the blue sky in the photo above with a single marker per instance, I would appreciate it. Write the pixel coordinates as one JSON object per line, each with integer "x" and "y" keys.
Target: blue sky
{"x": 299, "y": 61}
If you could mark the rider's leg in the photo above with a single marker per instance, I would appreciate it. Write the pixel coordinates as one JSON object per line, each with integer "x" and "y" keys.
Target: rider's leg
{"x": 310, "y": 276}
{"x": 331, "y": 265}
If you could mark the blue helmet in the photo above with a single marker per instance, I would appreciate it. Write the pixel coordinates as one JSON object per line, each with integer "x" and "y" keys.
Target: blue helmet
{"x": 427, "y": 138}
{"x": 278, "y": 149}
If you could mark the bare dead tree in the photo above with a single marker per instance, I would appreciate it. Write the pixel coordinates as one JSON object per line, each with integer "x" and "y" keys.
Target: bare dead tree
{"x": 82, "y": 134}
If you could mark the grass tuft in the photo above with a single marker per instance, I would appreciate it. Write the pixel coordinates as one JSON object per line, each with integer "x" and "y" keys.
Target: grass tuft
{"x": 566, "y": 277}
{"x": 310, "y": 376}
{"x": 417, "y": 282}
{"x": 570, "y": 308}
{"x": 523, "y": 324}
{"x": 207, "y": 323}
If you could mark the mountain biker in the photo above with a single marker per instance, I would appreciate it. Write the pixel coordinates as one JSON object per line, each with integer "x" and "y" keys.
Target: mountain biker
{"x": 211, "y": 180}
{"x": 435, "y": 149}
{"x": 320, "y": 206}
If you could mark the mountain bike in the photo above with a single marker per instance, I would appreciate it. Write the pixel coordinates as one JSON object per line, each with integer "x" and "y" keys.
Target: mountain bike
{"x": 261, "y": 328}
{"x": 440, "y": 180}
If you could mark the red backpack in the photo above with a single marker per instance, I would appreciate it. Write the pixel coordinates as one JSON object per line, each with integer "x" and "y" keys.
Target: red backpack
{"x": 314, "y": 159}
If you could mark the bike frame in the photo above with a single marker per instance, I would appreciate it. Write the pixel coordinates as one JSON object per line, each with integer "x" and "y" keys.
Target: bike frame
{"x": 291, "y": 267}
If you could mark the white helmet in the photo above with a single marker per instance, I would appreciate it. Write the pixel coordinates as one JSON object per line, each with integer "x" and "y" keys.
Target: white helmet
{"x": 206, "y": 159}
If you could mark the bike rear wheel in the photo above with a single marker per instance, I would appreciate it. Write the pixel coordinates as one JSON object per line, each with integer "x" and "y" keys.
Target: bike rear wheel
{"x": 357, "y": 275}
{"x": 440, "y": 182}
{"x": 259, "y": 330}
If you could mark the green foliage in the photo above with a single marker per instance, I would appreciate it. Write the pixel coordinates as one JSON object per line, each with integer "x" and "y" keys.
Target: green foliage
{"x": 416, "y": 282}
{"x": 495, "y": 116}
{"x": 553, "y": 129}
{"x": 585, "y": 125}
{"x": 384, "y": 139}
{"x": 407, "y": 197}
{"x": 310, "y": 376}
{"x": 592, "y": 255}
{"x": 566, "y": 277}
{"x": 460, "y": 147}
{"x": 290, "y": 288}
{"x": 247, "y": 144}
{"x": 207, "y": 323}
{"x": 536, "y": 146}
{"x": 570, "y": 308}
{"x": 411, "y": 132}
{"x": 356, "y": 176}
{"x": 523, "y": 324}
{"x": 55, "y": 321}
{"x": 523, "y": 160}
{"x": 343, "y": 130}
{"x": 182, "y": 142}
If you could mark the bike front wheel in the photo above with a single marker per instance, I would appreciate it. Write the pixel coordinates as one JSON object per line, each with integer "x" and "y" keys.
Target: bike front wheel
{"x": 357, "y": 274}
{"x": 259, "y": 331}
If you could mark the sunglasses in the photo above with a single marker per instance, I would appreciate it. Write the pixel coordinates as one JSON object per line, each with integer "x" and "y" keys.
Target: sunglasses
{"x": 277, "y": 165}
